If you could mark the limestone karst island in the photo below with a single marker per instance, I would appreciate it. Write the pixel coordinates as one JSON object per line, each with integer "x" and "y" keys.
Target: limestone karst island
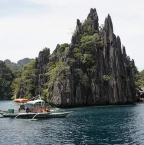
{"x": 94, "y": 69}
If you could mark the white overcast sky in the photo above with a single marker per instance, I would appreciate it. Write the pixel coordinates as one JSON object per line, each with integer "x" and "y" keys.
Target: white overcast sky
{"x": 27, "y": 26}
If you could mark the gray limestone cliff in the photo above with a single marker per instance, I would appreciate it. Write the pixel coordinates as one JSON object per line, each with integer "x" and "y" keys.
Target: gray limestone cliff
{"x": 101, "y": 72}
{"x": 93, "y": 69}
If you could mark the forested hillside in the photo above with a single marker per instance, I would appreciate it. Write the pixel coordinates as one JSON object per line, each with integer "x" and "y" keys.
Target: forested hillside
{"x": 6, "y": 79}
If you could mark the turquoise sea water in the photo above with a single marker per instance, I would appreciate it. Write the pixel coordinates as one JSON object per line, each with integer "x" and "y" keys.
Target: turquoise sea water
{"x": 83, "y": 126}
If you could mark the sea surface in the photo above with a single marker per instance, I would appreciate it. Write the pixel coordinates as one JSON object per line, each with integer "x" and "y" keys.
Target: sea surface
{"x": 105, "y": 125}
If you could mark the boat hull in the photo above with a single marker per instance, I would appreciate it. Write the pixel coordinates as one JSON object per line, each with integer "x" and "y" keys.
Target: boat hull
{"x": 36, "y": 115}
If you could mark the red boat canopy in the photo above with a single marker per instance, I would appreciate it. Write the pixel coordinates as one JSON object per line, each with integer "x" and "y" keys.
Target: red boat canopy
{"x": 21, "y": 100}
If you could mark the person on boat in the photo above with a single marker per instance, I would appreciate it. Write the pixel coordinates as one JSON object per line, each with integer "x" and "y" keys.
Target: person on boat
{"x": 27, "y": 110}
{"x": 22, "y": 107}
{"x": 47, "y": 109}
{"x": 41, "y": 109}
{"x": 31, "y": 109}
{"x": 44, "y": 110}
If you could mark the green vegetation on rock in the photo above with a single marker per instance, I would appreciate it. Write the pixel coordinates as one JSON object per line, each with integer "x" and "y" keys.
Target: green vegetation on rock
{"x": 139, "y": 79}
{"x": 27, "y": 80}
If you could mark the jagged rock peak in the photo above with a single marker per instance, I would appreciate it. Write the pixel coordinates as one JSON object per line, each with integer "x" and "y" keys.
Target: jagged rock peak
{"x": 133, "y": 62}
{"x": 93, "y": 14}
{"x": 44, "y": 56}
{"x": 118, "y": 40}
{"x": 109, "y": 17}
{"x": 108, "y": 23}
{"x": 128, "y": 58}
{"x": 123, "y": 50}
{"x": 78, "y": 26}
{"x": 78, "y": 22}
{"x": 57, "y": 47}
{"x": 94, "y": 18}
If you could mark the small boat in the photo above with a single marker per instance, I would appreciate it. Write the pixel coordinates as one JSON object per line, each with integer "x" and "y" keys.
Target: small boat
{"x": 33, "y": 115}
{"x": 34, "y": 109}
{"x": 21, "y": 100}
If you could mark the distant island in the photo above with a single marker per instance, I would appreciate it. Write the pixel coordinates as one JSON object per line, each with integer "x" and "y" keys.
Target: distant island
{"x": 93, "y": 69}
{"x": 19, "y": 65}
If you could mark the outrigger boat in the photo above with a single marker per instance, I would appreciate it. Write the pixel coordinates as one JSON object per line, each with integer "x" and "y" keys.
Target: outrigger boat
{"x": 34, "y": 109}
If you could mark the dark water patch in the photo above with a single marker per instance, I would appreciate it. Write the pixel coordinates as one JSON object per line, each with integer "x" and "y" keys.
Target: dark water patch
{"x": 86, "y": 125}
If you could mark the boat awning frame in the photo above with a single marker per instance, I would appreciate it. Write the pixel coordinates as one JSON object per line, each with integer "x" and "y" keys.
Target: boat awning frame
{"x": 35, "y": 102}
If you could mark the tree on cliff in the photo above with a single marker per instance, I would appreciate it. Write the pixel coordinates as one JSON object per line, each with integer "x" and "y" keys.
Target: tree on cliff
{"x": 140, "y": 79}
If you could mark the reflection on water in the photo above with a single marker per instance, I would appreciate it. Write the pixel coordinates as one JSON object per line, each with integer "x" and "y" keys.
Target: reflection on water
{"x": 89, "y": 125}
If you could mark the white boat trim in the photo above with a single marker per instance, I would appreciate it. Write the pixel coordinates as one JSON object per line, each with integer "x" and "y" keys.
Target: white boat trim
{"x": 35, "y": 101}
